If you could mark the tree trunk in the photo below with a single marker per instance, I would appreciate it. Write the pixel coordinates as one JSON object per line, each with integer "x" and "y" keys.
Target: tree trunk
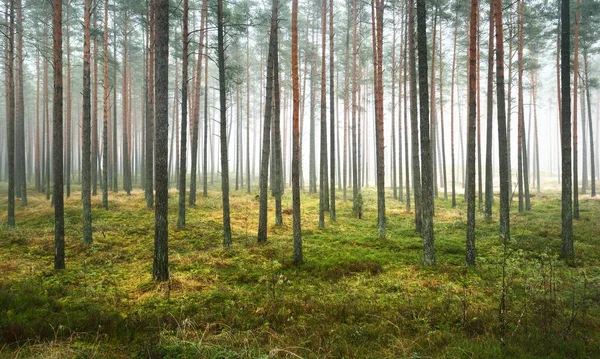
{"x": 379, "y": 139}
{"x": 126, "y": 118}
{"x": 94, "y": 130}
{"x": 489, "y": 174}
{"x": 266, "y": 140}
{"x": 161, "y": 65}
{"x": 277, "y": 156}
{"x": 184, "y": 113}
{"x": 575, "y": 133}
{"x": 590, "y": 125}
{"x": 414, "y": 119}
{"x": 20, "y": 170}
{"x": 331, "y": 115}
{"x": 57, "y": 135}
{"x": 502, "y": 131}
{"x": 196, "y": 107}
{"x": 67, "y": 160}
{"x": 86, "y": 160}
{"x": 323, "y": 175}
{"x": 10, "y": 126}
{"x": 149, "y": 176}
{"x": 223, "y": 124}
{"x": 427, "y": 166}
{"x": 105, "y": 113}
{"x": 471, "y": 133}
{"x": 206, "y": 129}
{"x": 567, "y": 249}
{"x": 296, "y": 139}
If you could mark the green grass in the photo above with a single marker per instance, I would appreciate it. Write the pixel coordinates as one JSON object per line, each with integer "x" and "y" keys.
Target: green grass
{"x": 354, "y": 297}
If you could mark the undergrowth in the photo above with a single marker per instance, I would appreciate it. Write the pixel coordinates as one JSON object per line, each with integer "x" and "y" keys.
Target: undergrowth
{"x": 354, "y": 296}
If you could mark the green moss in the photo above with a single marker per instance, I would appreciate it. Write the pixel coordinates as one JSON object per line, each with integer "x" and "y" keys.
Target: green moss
{"x": 355, "y": 295}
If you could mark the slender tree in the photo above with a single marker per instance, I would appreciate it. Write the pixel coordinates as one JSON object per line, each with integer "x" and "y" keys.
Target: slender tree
{"x": 489, "y": 175}
{"x": 502, "y": 131}
{"x": 57, "y": 135}
{"x": 426, "y": 162}
{"x": 575, "y": 121}
{"x": 331, "y": 115}
{"x": 323, "y": 183}
{"x": 149, "y": 160}
{"x": 10, "y": 118}
{"x": 471, "y": 132}
{"x": 223, "y": 125}
{"x": 161, "y": 65}
{"x": 379, "y": 139}
{"x": 266, "y": 140}
{"x": 296, "y": 139}
{"x": 86, "y": 161}
{"x": 414, "y": 119}
{"x": 184, "y": 113}
{"x": 105, "y": 113}
{"x": 565, "y": 81}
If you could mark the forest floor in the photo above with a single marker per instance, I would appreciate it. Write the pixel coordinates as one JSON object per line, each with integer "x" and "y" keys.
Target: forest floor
{"x": 353, "y": 297}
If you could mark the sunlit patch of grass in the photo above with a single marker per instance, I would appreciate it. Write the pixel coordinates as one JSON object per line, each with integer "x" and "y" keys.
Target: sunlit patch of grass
{"x": 355, "y": 295}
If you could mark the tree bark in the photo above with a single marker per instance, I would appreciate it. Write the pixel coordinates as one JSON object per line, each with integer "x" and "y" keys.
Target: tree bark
{"x": 10, "y": 120}
{"x": 489, "y": 174}
{"x": 105, "y": 113}
{"x": 266, "y": 144}
{"x": 427, "y": 166}
{"x": 502, "y": 131}
{"x": 86, "y": 160}
{"x": 57, "y": 135}
{"x": 161, "y": 229}
{"x": 296, "y": 139}
{"x": 223, "y": 124}
{"x": 472, "y": 128}
{"x": 184, "y": 113}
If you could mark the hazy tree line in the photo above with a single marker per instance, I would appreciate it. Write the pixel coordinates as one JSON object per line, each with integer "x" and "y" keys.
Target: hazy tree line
{"x": 154, "y": 94}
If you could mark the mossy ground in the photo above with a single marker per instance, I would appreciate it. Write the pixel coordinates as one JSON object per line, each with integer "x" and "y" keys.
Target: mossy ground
{"x": 354, "y": 297}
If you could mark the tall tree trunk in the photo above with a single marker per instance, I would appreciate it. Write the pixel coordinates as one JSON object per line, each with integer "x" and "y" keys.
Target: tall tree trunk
{"x": 57, "y": 135}
{"x": 404, "y": 95}
{"x": 471, "y": 132}
{"x": 427, "y": 166}
{"x": 414, "y": 119}
{"x": 575, "y": 130}
{"x": 10, "y": 124}
{"x": 356, "y": 193}
{"x": 266, "y": 140}
{"x": 276, "y": 155}
{"x": 149, "y": 176}
{"x": 206, "y": 129}
{"x": 502, "y": 131}
{"x": 223, "y": 124}
{"x": 69, "y": 116}
{"x": 296, "y": 139}
{"x": 94, "y": 130}
{"x": 489, "y": 174}
{"x": 567, "y": 249}
{"x": 86, "y": 160}
{"x": 442, "y": 134}
{"x": 126, "y": 118}
{"x": 161, "y": 65}
{"x": 115, "y": 163}
{"x": 331, "y": 115}
{"x": 196, "y": 107}
{"x": 323, "y": 175}
{"x": 21, "y": 172}
{"x": 184, "y": 113}
{"x": 105, "y": 113}
{"x": 590, "y": 124}
{"x": 379, "y": 139}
